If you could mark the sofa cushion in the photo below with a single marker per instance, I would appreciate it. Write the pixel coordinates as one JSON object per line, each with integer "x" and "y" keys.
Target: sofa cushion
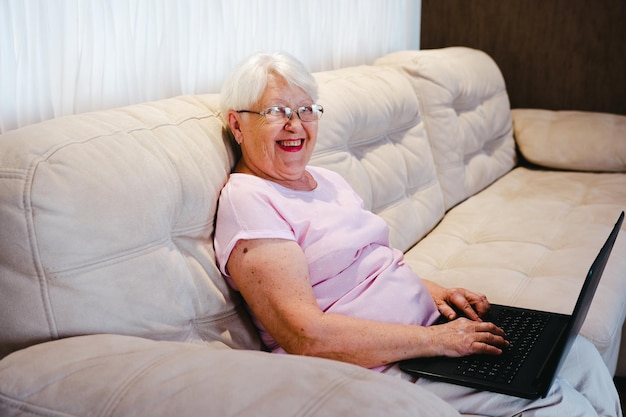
{"x": 529, "y": 239}
{"x": 127, "y": 376}
{"x": 107, "y": 220}
{"x": 572, "y": 140}
{"x": 372, "y": 134}
{"x": 466, "y": 113}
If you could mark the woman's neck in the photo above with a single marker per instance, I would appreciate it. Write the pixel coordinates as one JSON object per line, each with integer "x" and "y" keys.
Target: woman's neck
{"x": 305, "y": 183}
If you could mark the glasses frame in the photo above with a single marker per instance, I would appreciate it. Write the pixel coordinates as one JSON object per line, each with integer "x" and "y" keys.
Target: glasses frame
{"x": 288, "y": 113}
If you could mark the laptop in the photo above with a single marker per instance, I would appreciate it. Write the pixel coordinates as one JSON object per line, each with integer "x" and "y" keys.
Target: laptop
{"x": 539, "y": 343}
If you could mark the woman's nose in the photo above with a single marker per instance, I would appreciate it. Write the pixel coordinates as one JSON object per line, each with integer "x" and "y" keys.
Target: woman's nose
{"x": 293, "y": 123}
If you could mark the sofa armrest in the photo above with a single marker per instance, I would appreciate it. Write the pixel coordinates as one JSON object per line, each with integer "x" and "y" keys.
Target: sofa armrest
{"x": 120, "y": 376}
{"x": 571, "y": 140}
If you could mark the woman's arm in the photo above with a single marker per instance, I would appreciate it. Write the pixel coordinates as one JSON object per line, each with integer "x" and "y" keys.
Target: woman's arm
{"x": 273, "y": 277}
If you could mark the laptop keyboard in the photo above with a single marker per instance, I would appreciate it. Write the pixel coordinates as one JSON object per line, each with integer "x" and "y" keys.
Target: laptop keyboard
{"x": 522, "y": 330}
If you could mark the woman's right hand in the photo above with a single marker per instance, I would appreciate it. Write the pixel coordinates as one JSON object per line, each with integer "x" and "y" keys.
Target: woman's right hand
{"x": 462, "y": 337}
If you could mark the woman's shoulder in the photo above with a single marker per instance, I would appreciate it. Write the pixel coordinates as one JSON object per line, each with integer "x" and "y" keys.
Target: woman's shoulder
{"x": 242, "y": 186}
{"x": 243, "y": 181}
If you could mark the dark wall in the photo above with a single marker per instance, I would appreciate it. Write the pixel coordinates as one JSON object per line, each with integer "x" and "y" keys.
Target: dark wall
{"x": 554, "y": 54}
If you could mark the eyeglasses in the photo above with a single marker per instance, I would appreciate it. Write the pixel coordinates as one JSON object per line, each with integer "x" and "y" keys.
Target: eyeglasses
{"x": 281, "y": 114}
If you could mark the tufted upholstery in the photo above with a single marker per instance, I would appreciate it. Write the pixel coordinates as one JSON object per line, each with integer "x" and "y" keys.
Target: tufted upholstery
{"x": 109, "y": 216}
{"x": 372, "y": 134}
{"x": 530, "y": 238}
{"x": 465, "y": 107}
{"x": 107, "y": 219}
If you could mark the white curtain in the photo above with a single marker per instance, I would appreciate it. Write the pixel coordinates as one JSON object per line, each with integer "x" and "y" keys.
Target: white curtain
{"x": 59, "y": 57}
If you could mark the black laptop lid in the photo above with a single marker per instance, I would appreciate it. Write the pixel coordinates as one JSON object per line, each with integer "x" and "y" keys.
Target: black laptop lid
{"x": 587, "y": 292}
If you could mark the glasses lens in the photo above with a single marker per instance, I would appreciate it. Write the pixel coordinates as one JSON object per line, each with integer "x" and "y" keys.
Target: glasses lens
{"x": 277, "y": 114}
{"x": 310, "y": 113}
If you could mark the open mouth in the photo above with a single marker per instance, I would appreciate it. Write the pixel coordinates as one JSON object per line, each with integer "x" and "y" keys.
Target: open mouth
{"x": 292, "y": 145}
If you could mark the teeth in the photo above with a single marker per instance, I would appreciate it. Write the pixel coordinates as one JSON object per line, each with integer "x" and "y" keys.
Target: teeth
{"x": 297, "y": 142}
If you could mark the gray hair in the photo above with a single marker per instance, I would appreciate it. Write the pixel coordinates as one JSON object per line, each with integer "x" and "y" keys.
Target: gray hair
{"x": 247, "y": 81}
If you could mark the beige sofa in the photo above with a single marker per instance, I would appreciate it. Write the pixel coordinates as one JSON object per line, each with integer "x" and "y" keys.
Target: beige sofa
{"x": 110, "y": 300}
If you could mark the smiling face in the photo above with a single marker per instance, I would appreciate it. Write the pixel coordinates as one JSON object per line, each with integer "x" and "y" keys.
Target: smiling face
{"x": 277, "y": 152}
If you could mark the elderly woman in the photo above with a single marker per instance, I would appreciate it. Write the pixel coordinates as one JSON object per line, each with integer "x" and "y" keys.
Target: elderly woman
{"x": 316, "y": 269}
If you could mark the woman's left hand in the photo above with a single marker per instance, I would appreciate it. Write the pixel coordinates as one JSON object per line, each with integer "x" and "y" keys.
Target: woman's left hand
{"x": 452, "y": 301}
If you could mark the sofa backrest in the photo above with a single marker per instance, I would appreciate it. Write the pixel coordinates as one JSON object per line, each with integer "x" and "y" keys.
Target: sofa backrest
{"x": 107, "y": 221}
{"x": 372, "y": 133}
{"x": 466, "y": 113}
{"x": 107, "y": 217}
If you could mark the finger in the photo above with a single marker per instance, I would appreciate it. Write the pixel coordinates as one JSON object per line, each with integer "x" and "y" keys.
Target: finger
{"x": 465, "y": 307}
{"x": 481, "y": 304}
{"x": 480, "y": 348}
{"x": 446, "y": 311}
{"x": 490, "y": 343}
{"x": 471, "y": 313}
{"x": 478, "y": 301}
{"x": 491, "y": 328}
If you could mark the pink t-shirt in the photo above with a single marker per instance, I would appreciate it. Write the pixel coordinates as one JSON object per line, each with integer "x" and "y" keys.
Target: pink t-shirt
{"x": 352, "y": 268}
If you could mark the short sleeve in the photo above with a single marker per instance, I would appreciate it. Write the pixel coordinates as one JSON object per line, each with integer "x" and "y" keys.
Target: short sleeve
{"x": 246, "y": 211}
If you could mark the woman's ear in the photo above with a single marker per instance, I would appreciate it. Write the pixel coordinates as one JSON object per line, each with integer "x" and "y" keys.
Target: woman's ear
{"x": 234, "y": 124}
